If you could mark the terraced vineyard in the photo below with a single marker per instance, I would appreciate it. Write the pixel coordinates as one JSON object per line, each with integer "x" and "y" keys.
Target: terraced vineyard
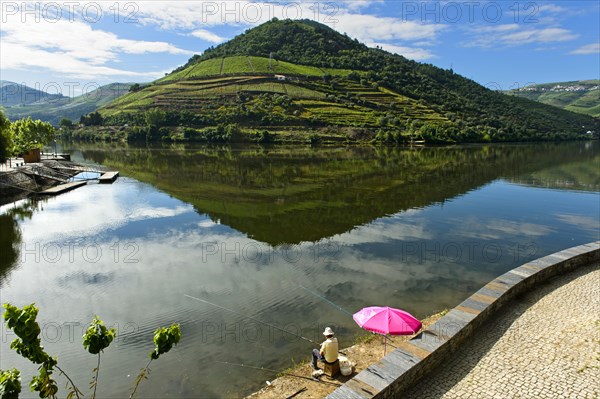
{"x": 215, "y": 86}
{"x": 241, "y": 65}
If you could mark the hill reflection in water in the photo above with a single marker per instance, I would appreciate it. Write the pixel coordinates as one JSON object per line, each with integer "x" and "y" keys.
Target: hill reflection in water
{"x": 286, "y": 195}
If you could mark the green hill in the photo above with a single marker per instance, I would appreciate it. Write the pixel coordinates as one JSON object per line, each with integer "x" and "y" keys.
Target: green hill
{"x": 303, "y": 77}
{"x": 582, "y": 96}
{"x": 12, "y": 94}
{"x": 53, "y": 109}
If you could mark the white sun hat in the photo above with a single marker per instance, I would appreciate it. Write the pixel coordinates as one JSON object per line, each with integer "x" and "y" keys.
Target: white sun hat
{"x": 328, "y": 331}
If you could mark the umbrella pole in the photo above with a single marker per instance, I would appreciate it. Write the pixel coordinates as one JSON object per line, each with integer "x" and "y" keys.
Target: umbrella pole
{"x": 384, "y": 344}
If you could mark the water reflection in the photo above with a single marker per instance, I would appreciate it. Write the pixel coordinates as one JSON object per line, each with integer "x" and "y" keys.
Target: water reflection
{"x": 10, "y": 241}
{"x": 283, "y": 195}
{"x": 578, "y": 174}
{"x": 10, "y": 233}
{"x": 247, "y": 228}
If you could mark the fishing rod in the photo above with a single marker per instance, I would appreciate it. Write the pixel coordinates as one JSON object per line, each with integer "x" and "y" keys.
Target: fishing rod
{"x": 280, "y": 373}
{"x": 335, "y": 306}
{"x": 252, "y": 318}
{"x": 327, "y": 300}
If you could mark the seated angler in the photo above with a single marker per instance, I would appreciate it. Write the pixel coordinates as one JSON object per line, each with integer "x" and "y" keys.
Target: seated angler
{"x": 329, "y": 349}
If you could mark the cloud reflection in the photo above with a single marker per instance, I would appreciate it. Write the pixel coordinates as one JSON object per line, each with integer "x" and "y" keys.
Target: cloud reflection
{"x": 81, "y": 214}
{"x": 585, "y": 222}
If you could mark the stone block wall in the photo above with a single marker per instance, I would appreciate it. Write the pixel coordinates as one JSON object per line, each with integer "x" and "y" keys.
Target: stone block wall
{"x": 404, "y": 366}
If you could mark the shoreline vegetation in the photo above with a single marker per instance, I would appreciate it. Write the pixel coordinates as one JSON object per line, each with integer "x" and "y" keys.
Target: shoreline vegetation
{"x": 366, "y": 349}
{"x": 236, "y": 134}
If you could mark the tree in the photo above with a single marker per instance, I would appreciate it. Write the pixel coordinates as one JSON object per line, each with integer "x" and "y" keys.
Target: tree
{"x": 155, "y": 117}
{"x": 93, "y": 119}
{"x": 28, "y": 134}
{"x": 5, "y": 138}
{"x": 66, "y": 123}
{"x": 96, "y": 338}
{"x": 135, "y": 87}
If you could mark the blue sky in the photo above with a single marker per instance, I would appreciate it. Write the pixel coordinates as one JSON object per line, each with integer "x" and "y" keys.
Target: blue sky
{"x": 74, "y": 46}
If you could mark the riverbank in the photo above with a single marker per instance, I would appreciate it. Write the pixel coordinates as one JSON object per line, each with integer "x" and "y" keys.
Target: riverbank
{"x": 366, "y": 350}
{"x": 286, "y": 135}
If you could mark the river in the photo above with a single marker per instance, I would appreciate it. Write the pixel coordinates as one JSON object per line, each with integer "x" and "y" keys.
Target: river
{"x": 253, "y": 229}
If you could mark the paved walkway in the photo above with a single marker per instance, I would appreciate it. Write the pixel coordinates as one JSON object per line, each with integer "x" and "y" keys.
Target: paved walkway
{"x": 545, "y": 345}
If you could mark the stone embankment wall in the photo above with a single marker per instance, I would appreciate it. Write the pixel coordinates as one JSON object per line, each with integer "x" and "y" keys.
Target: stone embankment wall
{"x": 404, "y": 366}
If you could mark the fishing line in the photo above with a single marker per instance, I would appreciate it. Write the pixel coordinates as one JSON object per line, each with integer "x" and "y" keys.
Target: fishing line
{"x": 280, "y": 373}
{"x": 252, "y": 318}
{"x": 328, "y": 301}
{"x": 337, "y": 307}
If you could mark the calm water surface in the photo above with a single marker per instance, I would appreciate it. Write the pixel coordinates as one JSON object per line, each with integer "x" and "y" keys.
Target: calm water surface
{"x": 248, "y": 228}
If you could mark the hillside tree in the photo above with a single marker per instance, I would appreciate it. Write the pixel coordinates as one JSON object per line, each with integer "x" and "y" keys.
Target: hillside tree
{"x": 5, "y": 138}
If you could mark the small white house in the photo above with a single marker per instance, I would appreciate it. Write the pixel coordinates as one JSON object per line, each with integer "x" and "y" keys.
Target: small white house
{"x": 280, "y": 77}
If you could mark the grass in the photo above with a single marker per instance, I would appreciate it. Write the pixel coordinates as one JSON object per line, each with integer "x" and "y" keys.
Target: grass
{"x": 215, "y": 81}
{"x": 271, "y": 87}
{"x": 362, "y": 339}
{"x": 249, "y": 65}
{"x": 234, "y": 65}
{"x": 338, "y": 114}
{"x": 206, "y": 68}
{"x": 302, "y": 92}
{"x": 293, "y": 369}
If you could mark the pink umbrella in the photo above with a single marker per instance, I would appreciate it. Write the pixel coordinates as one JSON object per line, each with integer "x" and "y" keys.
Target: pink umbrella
{"x": 386, "y": 320}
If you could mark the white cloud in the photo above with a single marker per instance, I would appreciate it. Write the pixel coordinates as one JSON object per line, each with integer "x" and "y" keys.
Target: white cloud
{"x": 207, "y": 36}
{"x": 551, "y": 8}
{"x": 15, "y": 56}
{"x": 370, "y": 28}
{"x": 498, "y": 28}
{"x": 358, "y": 4}
{"x": 171, "y": 15}
{"x": 71, "y": 48}
{"x": 593, "y": 48}
{"x": 547, "y": 35}
{"x": 365, "y": 27}
{"x": 412, "y": 53}
{"x": 511, "y": 35}
{"x": 345, "y": 17}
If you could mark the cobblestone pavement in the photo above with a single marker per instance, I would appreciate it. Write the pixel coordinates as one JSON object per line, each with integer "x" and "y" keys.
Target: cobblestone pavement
{"x": 546, "y": 344}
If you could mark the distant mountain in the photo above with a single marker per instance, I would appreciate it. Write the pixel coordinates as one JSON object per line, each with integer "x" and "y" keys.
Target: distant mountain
{"x": 52, "y": 109}
{"x": 12, "y": 94}
{"x": 582, "y": 96}
{"x": 305, "y": 77}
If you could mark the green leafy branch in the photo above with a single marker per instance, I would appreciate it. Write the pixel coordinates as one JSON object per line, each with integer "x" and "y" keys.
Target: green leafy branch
{"x": 95, "y": 340}
{"x": 164, "y": 339}
{"x": 28, "y": 344}
{"x": 10, "y": 384}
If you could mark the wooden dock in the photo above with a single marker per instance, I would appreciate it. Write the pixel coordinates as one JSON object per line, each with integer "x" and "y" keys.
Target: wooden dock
{"x": 108, "y": 177}
{"x": 63, "y": 188}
